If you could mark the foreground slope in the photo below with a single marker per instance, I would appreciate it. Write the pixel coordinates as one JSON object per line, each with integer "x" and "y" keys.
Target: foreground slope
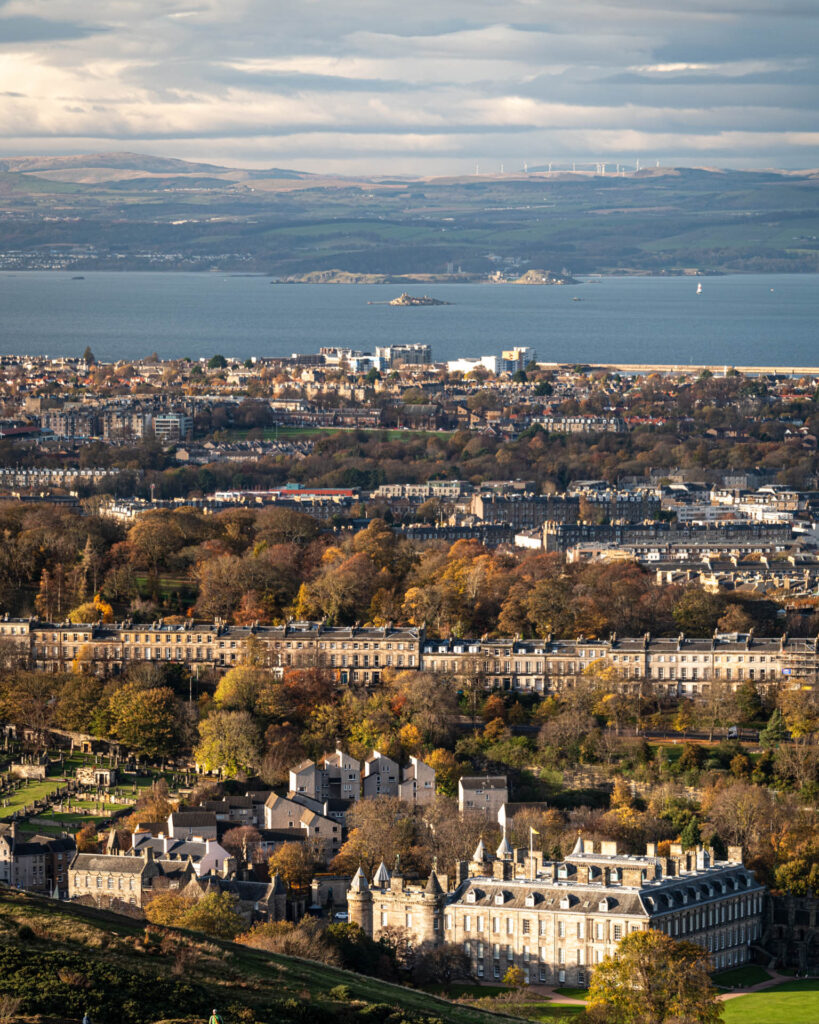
{"x": 63, "y": 960}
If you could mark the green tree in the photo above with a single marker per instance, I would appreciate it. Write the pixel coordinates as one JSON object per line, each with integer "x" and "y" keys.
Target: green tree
{"x": 775, "y": 732}
{"x": 749, "y": 703}
{"x": 217, "y": 362}
{"x": 229, "y": 742}
{"x": 145, "y": 720}
{"x": 696, "y": 612}
{"x": 88, "y": 356}
{"x": 653, "y": 979}
{"x": 690, "y": 835}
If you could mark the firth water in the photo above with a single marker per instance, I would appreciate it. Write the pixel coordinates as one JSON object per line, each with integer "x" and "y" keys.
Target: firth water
{"x": 737, "y": 320}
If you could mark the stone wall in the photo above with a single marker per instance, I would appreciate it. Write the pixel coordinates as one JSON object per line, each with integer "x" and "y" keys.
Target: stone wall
{"x": 792, "y": 931}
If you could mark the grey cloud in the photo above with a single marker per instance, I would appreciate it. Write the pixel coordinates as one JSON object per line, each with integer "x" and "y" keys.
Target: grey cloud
{"x": 18, "y": 29}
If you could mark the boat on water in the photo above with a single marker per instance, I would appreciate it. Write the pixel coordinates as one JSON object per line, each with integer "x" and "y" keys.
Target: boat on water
{"x": 699, "y": 288}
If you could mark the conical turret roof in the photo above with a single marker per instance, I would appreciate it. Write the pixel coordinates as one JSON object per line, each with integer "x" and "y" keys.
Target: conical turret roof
{"x": 359, "y": 882}
{"x": 382, "y": 875}
{"x": 504, "y": 850}
{"x": 433, "y": 885}
{"x": 480, "y": 851}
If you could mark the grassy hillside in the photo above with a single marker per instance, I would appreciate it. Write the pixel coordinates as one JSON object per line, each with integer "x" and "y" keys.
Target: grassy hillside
{"x": 63, "y": 960}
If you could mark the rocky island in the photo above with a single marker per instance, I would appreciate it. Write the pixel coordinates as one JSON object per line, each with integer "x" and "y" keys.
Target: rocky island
{"x": 411, "y": 300}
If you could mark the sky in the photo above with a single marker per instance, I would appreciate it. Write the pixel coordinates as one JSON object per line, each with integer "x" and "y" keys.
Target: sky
{"x": 416, "y": 87}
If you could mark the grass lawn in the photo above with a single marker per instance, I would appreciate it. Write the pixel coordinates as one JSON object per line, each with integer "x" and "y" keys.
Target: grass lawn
{"x": 795, "y": 1002}
{"x": 550, "y": 1011}
{"x": 473, "y": 991}
{"x": 741, "y": 977}
{"x": 573, "y": 993}
{"x": 27, "y": 794}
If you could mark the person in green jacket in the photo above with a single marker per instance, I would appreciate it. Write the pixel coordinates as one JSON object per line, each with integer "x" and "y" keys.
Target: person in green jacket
{"x": 215, "y": 1018}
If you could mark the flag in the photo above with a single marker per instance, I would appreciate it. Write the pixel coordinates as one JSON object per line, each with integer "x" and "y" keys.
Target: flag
{"x": 533, "y": 831}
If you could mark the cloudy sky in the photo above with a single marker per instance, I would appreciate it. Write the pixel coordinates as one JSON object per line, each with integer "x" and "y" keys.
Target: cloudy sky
{"x": 417, "y": 86}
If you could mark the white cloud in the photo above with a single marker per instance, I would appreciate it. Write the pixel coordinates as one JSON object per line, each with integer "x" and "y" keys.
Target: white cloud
{"x": 382, "y": 83}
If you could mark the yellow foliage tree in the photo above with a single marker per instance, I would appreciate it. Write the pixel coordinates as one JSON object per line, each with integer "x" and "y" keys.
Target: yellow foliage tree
{"x": 95, "y": 610}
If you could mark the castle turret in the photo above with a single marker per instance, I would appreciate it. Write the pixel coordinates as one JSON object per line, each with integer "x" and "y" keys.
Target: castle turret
{"x": 381, "y": 878}
{"x": 360, "y": 903}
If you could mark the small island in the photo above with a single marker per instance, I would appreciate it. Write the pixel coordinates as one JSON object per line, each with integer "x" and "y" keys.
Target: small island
{"x": 412, "y": 300}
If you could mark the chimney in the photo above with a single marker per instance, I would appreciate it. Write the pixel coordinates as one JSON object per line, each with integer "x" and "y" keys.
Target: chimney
{"x": 148, "y": 853}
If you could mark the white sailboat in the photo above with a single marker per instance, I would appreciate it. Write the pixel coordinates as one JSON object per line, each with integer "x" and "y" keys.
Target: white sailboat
{"x": 699, "y": 288}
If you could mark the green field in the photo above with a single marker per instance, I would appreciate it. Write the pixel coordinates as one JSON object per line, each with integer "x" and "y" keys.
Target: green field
{"x": 795, "y": 1002}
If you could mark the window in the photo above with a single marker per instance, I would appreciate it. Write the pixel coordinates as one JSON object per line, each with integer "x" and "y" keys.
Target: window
{"x": 561, "y": 929}
{"x": 618, "y": 931}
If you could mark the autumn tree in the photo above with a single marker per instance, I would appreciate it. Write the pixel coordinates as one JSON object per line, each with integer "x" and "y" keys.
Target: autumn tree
{"x": 653, "y": 979}
{"x": 240, "y": 687}
{"x": 380, "y": 829}
{"x": 294, "y": 863}
{"x": 213, "y": 913}
{"x": 244, "y": 843}
{"x": 154, "y": 804}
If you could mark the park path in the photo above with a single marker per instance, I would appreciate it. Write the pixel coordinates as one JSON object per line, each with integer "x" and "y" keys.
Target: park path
{"x": 775, "y": 979}
{"x": 550, "y": 993}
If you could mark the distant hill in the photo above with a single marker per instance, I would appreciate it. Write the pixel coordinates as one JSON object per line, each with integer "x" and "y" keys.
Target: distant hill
{"x": 62, "y": 960}
{"x": 133, "y": 162}
{"x": 133, "y": 211}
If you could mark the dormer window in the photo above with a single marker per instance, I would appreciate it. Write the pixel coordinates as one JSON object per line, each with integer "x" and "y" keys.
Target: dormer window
{"x": 565, "y": 902}
{"x": 603, "y": 906}
{"x": 562, "y": 871}
{"x": 500, "y": 899}
{"x": 532, "y": 899}
{"x": 615, "y": 876}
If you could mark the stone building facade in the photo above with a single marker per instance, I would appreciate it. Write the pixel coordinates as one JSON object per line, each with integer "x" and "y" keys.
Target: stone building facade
{"x": 556, "y": 920}
{"x": 679, "y": 665}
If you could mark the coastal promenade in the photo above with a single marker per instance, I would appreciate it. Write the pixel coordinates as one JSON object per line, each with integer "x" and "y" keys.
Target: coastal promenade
{"x": 718, "y": 370}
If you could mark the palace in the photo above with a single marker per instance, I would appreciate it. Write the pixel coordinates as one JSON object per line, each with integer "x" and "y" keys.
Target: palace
{"x": 556, "y": 920}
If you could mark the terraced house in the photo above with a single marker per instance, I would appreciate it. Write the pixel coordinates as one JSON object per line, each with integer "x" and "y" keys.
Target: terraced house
{"x": 556, "y": 920}
{"x": 358, "y": 655}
